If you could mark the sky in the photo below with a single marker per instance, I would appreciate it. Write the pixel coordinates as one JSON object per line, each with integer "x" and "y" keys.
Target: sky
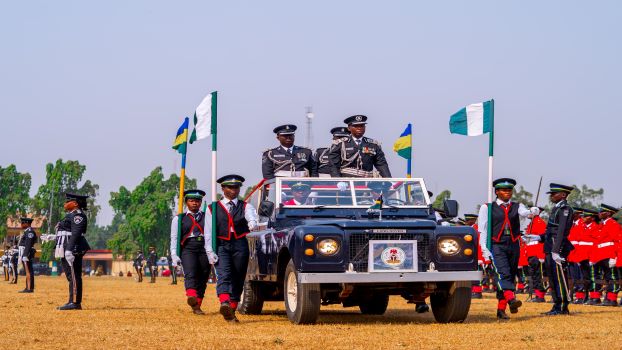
{"x": 108, "y": 84}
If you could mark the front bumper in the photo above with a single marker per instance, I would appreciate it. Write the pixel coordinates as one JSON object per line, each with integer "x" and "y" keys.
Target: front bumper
{"x": 388, "y": 277}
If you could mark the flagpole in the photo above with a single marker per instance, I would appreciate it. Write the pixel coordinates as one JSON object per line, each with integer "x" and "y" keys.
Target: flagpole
{"x": 182, "y": 180}
{"x": 214, "y": 164}
{"x": 409, "y": 163}
{"x": 491, "y": 143}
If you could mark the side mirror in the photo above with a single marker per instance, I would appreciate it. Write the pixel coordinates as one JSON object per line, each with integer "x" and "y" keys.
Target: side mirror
{"x": 266, "y": 208}
{"x": 451, "y": 208}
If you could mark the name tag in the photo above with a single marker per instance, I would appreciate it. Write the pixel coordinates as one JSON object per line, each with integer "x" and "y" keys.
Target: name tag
{"x": 349, "y": 148}
{"x": 278, "y": 155}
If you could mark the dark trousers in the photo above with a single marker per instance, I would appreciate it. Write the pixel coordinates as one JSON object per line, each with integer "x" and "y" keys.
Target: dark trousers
{"x": 601, "y": 272}
{"x": 139, "y": 273}
{"x": 74, "y": 277}
{"x": 558, "y": 279}
{"x": 231, "y": 267}
{"x": 14, "y": 270}
{"x": 505, "y": 254}
{"x": 30, "y": 275}
{"x": 583, "y": 283}
{"x": 534, "y": 271}
{"x": 154, "y": 273}
{"x": 196, "y": 266}
{"x": 173, "y": 270}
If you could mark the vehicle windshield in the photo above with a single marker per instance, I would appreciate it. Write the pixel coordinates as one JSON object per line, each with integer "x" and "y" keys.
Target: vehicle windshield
{"x": 342, "y": 192}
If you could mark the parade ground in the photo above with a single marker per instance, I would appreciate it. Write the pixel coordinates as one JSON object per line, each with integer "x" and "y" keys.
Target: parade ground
{"x": 120, "y": 313}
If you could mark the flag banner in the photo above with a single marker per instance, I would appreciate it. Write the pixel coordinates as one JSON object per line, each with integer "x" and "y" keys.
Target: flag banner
{"x": 181, "y": 137}
{"x": 472, "y": 120}
{"x": 403, "y": 145}
{"x": 203, "y": 118}
{"x": 377, "y": 204}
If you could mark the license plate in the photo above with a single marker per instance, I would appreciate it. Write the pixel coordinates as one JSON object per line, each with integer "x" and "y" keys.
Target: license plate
{"x": 393, "y": 256}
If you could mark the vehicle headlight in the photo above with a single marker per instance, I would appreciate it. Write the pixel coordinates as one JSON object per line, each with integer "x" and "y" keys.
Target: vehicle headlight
{"x": 328, "y": 246}
{"x": 448, "y": 246}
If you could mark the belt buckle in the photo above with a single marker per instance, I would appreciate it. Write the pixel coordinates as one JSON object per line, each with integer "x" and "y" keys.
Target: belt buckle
{"x": 199, "y": 238}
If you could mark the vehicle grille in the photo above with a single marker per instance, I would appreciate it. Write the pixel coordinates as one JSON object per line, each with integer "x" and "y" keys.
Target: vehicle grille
{"x": 359, "y": 247}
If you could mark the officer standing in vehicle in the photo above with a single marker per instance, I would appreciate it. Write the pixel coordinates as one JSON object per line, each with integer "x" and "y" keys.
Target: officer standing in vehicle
{"x": 557, "y": 247}
{"x": 505, "y": 230}
{"x": 234, "y": 220}
{"x": 287, "y": 159}
{"x": 195, "y": 240}
{"x": 138, "y": 265}
{"x": 27, "y": 253}
{"x": 152, "y": 260}
{"x": 70, "y": 236}
{"x": 357, "y": 155}
{"x": 322, "y": 161}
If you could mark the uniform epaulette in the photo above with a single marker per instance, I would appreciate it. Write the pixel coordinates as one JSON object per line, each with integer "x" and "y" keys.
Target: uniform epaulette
{"x": 340, "y": 140}
{"x": 303, "y": 147}
{"x": 368, "y": 140}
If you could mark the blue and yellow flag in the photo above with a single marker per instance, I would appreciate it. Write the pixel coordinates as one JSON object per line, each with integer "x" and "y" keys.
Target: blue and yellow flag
{"x": 181, "y": 138}
{"x": 403, "y": 145}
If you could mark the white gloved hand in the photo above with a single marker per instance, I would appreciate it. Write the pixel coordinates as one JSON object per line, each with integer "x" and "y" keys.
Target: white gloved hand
{"x": 557, "y": 258}
{"x": 480, "y": 262}
{"x": 252, "y": 226}
{"x": 531, "y": 238}
{"x": 486, "y": 253}
{"x": 212, "y": 257}
{"x": 176, "y": 260}
{"x": 541, "y": 261}
{"x": 534, "y": 211}
{"x": 342, "y": 186}
{"x": 591, "y": 263}
{"x": 69, "y": 257}
{"x": 612, "y": 263}
{"x": 25, "y": 259}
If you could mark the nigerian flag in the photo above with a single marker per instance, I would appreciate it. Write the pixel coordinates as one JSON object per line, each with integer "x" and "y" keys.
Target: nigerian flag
{"x": 472, "y": 120}
{"x": 204, "y": 118}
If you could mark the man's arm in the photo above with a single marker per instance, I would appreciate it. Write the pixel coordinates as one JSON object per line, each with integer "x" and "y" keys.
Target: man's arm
{"x": 267, "y": 167}
{"x": 482, "y": 225}
{"x": 250, "y": 214}
{"x": 334, "y": 160}
{"x": 174, "y": 229}
{"x": 381, "y": 163}
{"x": 78, "y": 226}
{"x": 564, "y": 218}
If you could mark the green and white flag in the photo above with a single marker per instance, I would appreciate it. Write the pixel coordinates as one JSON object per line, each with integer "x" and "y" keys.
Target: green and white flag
{"x": 472, "y": 120}
{"x": 203, "y": 116}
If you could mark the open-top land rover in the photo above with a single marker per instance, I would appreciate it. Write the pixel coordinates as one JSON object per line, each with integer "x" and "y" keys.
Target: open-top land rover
{"x": 355, "y": 242}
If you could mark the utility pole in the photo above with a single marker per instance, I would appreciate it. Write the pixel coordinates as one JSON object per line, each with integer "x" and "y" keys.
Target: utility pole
{"x": 309, "y": 138}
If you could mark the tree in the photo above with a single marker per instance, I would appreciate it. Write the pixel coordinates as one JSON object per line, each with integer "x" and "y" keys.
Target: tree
{"x": 145, "y": 213}
{"x": 585, "y": 197}
{"x": 521, "y": 195}
{"x": 440, "y": 198}
{"x": 14, "y": 197}
{"x": 62, "y": 177}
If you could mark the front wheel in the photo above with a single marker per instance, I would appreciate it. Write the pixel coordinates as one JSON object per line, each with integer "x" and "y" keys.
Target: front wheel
{"x": 252, "y": 299}
{"x": 452, "y": 305}
{"x": 302, "y": 300}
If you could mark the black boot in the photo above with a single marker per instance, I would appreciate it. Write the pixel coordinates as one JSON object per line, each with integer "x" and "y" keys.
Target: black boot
{"x": 502, "y": 316}
{"x": 26, "y": 291}
{"x": 227, "y": 311}
{"x": 422, "y": 308}
{"x": 70, "y": 306}
{"x": 556, "y": 310}
{"x": 514, "y": 304}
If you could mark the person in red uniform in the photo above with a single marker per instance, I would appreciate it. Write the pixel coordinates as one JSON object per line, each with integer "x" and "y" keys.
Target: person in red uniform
{"x": 574, "y": 257}
{"x": 606, "y": 252}
{"x": 522, "y": 268}
{"x": 535, "y": 258}
{"x": 505, "y": 235}
{"x": 581, "y": 254}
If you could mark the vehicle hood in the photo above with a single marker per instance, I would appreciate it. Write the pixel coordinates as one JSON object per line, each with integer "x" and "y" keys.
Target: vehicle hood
{"x": 365, "y": 223}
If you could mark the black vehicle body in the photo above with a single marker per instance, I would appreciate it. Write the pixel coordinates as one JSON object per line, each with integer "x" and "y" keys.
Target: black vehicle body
{"x": 291, "y": 233}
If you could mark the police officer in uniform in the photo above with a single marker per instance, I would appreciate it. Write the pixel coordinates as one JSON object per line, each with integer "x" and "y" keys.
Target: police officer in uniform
{"x": 357, "y": 155}
{"x": 13, "y": 262}
{"x": 287, "y": 159}
{"x": 138, "y": 265}
{"x": 27, "y": 253}
{"x": 70, "y": 237}
{"x": 234, "y": 220}
{"x": 322, "y": 161}
{"x": 195, "y": 240}
{"x": 153, "y": 264}
{"x": 557, "y": 247}
{"x": 6, "y": 260}
{"x": 505, "y": 224}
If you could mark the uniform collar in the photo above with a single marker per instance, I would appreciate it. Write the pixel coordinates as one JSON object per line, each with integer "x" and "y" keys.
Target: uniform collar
{"x": 285, "y": 149}
{"x": 193, "y": 214}
{"x": 560, "y": 203}
{"x": 500, "y": 202}
{"x": 226, "y": 201}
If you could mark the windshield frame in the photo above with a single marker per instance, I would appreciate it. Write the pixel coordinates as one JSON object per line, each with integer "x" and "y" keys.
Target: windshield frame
{"x": 279, "y": 182}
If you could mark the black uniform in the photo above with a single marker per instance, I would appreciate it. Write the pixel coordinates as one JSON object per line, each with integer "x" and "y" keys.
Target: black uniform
{"x": 153, "y": 265}
{"x": 349, "y": 159}
{"x": 74, "y": 223}
{"x": 193, "y": 256}
{"x": 279, "y": 162}
{"x": 322, "y": 161}
{"x": 26, "y": 245}
{"x": 13, "y": 265}
{"x": 172, "y": 268}
{"x": 138, "y": 265}
{"x": 6, "y": 260}
{"x": 556, "y": 241}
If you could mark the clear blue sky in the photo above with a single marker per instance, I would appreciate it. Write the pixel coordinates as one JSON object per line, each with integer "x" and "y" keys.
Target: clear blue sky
{"x": 108, "y": 83}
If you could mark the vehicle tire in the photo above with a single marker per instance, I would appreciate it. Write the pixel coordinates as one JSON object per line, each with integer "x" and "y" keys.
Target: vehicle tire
{"x": 302, "y": 301}
{"x": 452, "y": 307}
{"x": 252, "y": 299}
{"x": 376, "y": 305}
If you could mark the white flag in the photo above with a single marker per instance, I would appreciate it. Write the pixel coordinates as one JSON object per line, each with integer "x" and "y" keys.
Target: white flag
{"x": 203, "y": 118}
